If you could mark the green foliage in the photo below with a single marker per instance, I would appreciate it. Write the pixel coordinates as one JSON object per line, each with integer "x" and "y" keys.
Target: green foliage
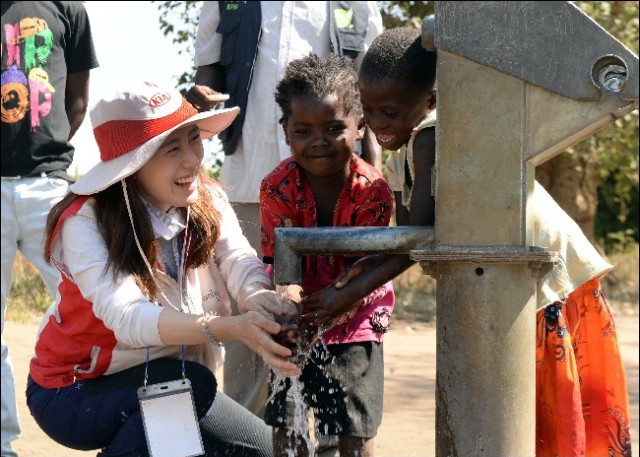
{"x": 398, "y": 14}
{"x": 29, "y": 297}
{"x": 180, "y": 21}
{"x": 615, "y": 148}
{"x": 213, "y": 170}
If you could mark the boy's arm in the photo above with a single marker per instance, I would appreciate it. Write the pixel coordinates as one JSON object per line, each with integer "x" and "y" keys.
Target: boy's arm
{"x": 329, "y": 305}
{"x": 422, "y": 206}
{"x": 402, "y": 213}
{"x": 369, "y": 273}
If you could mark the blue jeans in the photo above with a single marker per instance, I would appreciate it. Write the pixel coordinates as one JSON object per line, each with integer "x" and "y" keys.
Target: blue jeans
{"x": 104, "y": 413}
{"x": 25, "y": 205}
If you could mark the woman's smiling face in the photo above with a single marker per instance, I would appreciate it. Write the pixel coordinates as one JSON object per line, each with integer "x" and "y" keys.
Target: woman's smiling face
{"x": 170, "y": 177}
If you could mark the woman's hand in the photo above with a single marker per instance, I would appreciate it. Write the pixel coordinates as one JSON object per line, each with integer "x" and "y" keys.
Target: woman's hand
{"x": 257, "y": 297}
{"x": 256, "y": 331}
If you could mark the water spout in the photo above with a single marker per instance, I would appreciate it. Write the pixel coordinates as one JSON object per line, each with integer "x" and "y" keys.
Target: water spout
{"x": 293, "y": 242}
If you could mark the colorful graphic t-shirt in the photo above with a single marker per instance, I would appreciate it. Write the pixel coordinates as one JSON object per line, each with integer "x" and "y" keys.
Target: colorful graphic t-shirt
{"x": 286, "y": 200}
{"x": 41, "y": 43}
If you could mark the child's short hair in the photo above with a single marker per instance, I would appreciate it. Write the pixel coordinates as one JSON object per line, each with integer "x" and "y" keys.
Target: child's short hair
{"x": 397, "y": 55}
{"x": 315, "y": 77}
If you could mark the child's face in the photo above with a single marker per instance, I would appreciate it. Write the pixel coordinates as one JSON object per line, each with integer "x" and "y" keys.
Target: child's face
{"x": 170, "y": 177}
{"x": 322, "y": 137}
{"x": 391, "y": 112}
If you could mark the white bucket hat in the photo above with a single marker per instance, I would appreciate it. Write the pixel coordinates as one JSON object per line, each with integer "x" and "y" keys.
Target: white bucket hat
{"x": 130, "y": 125}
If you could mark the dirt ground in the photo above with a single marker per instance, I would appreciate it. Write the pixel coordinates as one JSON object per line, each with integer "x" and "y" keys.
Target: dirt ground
{"x": 408, "y": 425}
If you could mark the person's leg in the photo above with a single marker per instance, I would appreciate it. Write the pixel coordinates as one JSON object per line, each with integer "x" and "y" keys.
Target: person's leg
{"x": 286, "y": 443}
{"x": 230, "y": 429}
{"x": 327, "y": 445}
{"x": 287, "y": 412}
{"x": 356, "y": 446}
{"x": 249, "y": 217}
{"x": 108, "y": 420}
{"x": 36, "y": 199}
{"x": 348, "y": 389}
{"x": 25, "y": 206}
{"x": 10, "y": 423}
{"x": 104, "y": 413}
{"x": 245, "y": 374}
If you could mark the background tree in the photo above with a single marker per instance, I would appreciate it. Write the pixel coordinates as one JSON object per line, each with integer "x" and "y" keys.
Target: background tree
{"x": 595, "y": 181}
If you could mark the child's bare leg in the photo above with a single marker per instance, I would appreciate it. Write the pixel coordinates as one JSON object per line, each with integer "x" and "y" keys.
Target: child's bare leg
{"x": 354, "y": 446}
{"x": 285, "y": 440}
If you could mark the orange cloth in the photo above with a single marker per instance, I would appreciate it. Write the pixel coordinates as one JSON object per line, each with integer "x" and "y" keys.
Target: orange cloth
{"x": 581, "y": 390}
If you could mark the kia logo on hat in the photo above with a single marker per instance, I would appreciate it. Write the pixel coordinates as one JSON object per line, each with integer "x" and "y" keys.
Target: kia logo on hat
{"x": 159, "y": 99}
{"x": 132, "y": 123}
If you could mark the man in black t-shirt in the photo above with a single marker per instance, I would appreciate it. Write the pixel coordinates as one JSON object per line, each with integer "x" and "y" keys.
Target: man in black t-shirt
{"x": 47, "y": 54}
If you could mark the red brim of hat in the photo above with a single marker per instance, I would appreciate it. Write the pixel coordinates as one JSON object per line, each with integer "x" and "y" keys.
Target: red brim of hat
{"x": 106, "y": 173}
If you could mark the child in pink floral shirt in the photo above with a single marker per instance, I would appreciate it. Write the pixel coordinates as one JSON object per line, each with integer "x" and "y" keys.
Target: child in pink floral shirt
{"x": 325, "y": 183}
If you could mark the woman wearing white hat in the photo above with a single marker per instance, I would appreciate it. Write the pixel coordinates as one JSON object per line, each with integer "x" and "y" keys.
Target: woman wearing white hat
{"x": 148, "y": 247}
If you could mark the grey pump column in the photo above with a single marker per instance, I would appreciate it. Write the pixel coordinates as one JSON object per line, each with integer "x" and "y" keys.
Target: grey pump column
{"x": 518, "y": 82}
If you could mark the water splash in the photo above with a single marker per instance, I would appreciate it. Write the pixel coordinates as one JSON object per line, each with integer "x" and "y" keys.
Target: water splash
{"x": 297, "y": 420}
{"x": 297, "y": 410}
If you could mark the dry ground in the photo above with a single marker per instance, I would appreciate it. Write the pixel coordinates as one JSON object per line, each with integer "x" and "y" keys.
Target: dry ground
{"x": 409, "y": 408}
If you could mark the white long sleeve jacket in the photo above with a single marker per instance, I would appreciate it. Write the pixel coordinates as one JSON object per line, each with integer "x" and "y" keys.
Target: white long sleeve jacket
{"x": 99, "y": 325}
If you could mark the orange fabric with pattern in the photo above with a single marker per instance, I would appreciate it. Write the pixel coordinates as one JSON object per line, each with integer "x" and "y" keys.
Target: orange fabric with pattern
{"x": 582, "y": 406}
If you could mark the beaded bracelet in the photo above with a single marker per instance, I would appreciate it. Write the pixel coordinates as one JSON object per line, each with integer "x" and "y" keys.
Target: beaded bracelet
{"x": 207, "y": 331}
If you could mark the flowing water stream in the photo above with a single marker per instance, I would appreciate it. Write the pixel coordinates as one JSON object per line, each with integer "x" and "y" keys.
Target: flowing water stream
{"x": 298, "y": 412}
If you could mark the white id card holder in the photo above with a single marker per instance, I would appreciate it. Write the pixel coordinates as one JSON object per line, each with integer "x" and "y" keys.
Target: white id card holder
{"x": 169, "y": 418}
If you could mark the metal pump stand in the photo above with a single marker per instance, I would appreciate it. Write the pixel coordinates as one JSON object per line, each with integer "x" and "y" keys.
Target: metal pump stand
{"x": 518, "y": 82}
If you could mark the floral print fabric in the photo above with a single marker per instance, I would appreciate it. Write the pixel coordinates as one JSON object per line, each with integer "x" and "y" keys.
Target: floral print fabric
{"x": 581, "y": 391}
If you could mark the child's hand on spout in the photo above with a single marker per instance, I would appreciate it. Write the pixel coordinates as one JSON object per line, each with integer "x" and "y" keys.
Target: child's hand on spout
{"x": 327, "y": 308}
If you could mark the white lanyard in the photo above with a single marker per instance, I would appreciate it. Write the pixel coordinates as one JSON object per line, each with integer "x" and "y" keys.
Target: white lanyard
{"x": 169, "y": 417}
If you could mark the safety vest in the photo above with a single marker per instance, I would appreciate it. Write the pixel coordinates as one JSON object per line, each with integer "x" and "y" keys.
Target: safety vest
{"x": 240, "y": 27}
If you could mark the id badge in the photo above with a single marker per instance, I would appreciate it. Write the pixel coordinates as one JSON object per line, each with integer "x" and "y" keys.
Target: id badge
{"x": 169, "y": 417}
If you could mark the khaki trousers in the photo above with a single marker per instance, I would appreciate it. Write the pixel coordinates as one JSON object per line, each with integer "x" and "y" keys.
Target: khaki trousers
{"x": 246, "y": 376}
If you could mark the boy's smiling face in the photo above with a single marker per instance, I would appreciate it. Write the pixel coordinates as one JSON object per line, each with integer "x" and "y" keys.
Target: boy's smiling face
{"x": 322, "y": 137}
{"x": 392, "y": 111}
